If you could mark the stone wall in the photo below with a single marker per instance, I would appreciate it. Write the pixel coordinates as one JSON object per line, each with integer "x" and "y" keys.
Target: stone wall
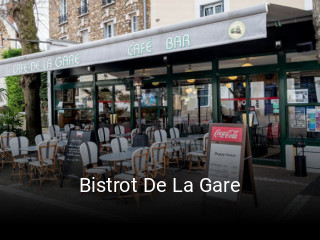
{"x": 94, "y": 19}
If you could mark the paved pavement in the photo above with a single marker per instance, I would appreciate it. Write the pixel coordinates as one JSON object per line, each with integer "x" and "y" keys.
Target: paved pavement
{"x": 278, "y": 193}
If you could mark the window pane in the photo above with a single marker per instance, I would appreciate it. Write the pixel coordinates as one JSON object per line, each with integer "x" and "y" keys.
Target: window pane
{"x": 304, "y": 121}
{"x": 192, "y": 67}
{"x": 303, "y": 87}
{"x": 218, "y": 9}
{"x": 74, "y": 79}
{"x": 192, "y": 108}
{"x": 113, "y": 75}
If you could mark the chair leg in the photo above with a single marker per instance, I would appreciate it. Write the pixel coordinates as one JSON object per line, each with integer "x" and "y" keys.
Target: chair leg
{"x": 13, "y": 171}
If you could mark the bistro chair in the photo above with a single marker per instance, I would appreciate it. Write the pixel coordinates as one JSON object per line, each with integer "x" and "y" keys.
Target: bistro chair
{"x": 157, "y": 166}
{"x": 19, "y": 158}
{"x": 55, "y": 132}
{"x": 199, "y": 157}
{"x": 140, "y": 171}
{"x": 67, "y": 128}
{"x": 150, "y": 133}
{"x": 120, "y": 145}
{"x": 5, "y": 146}
{"x": 104, "y": 138}
{"x": 119, "y": 129}
{"x": 173, "y": 153}
{"x": 89, "y": 154}
{"x": 42, "y": 137}
{"x": 133, "y": 133}
{"x": 45, "y": 166}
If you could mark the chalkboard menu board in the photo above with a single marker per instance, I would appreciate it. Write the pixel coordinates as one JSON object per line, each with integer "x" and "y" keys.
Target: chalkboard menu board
{"x": 72, "y": 165}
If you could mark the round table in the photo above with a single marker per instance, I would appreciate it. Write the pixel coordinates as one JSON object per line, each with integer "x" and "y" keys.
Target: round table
{"x": 119, "y": 157}
{"x": 120, "y": 135}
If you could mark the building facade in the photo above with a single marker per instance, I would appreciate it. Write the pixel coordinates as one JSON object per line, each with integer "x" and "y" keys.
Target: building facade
{"x": 232, "y": 78}
{"x": 83, "y": 21}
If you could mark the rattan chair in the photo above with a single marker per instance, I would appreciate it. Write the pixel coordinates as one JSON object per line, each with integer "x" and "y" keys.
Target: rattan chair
{"x": 140, "y": 171}
{"x": 150, "y": 133}
{"x": 199, "y": 157}
{"x": 55, "y": 133}
{"x": 67, "y": 128}
{"x": 19, "y": 158}
{"x": 120, "y": 145}
{"x": 119, "y": 129}
{"x": 173, "y": 153}
{"x": 42, "y": 137}
{"x": 44, "y": 169}
{"x": 157, "y": 166}
{"x": 5, "y": 146}
{"x": 104, "y": 138}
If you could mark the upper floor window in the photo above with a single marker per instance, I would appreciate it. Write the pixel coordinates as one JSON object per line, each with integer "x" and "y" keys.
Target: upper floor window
{"x": 210, "y": 9}
{"x": 84, "y": 7}
{"x": 107, "y": 2}
{"x": 108, "y": 29}
{"x": 85, "y": 36}
{"x": 134, "y": 23}
{"x": 63, "y": 11}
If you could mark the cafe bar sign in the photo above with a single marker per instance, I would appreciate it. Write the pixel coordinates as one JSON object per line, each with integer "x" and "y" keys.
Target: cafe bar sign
{"x": 225, "y": 28}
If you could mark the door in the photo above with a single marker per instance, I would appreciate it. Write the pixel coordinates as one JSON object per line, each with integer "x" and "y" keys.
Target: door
{"x": 254, "y": 99}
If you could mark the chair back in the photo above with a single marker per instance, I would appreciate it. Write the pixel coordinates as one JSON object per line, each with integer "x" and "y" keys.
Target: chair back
{"x": 119, "y": 145}
{"x": 6, "y": 138}
{"x": 160, "y": 135}
{"x": 54, "y": 130}
{"x": 140, "y": 159}
{"x": 47, "y": 150}
{"x": 16, "y": 144}
{"x": 174, "y": 133}
{"x": 205, "y": 142}
{"x": 89, "y": 153}
{"x": 134, "y": 132}
{"x": 104, "y": 134}
{"x": 119, "y": 129}
{"x": 158, "y": 152}
{"x": 150, "y": 132}
{"x": 68, "y": 127}
{"x": 42, "y": 137}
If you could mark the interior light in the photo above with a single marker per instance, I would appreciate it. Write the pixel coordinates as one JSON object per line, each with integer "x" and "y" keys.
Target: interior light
{"x": 191, "y": 80}
{"x": 233, "y": 77}
{"x": 247, "y": 64}
{"x": 228, "y": 85}
{"x": 155, "y": 83}
{"x": 189, "y": 90}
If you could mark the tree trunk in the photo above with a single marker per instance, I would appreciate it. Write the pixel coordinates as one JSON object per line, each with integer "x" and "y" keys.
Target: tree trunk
{"x": 22, "y": 13}
{"x": 316, "y": 24}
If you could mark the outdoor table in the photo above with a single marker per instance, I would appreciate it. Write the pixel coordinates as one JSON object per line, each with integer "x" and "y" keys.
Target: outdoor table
{"x": 118, "y": 157}
{"x": 120, "y": 135}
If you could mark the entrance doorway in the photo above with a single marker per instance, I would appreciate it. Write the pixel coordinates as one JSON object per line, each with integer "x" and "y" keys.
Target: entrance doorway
{"x": 254, "y": 99}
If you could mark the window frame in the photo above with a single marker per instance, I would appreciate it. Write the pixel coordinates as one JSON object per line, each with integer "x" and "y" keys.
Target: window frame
{"x": 212, "y": 5}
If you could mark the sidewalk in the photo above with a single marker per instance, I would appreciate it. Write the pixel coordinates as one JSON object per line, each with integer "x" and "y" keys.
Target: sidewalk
{"x": 278, "y": 193}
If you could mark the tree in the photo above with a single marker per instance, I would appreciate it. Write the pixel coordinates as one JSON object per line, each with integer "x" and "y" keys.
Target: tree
{"x": 22, "y": 13}
{"x": 14, "y": 90}
{"x": 316, "y": 24}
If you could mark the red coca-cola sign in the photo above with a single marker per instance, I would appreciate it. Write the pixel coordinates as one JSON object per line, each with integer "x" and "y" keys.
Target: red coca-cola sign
{"x": 226, "y": 134}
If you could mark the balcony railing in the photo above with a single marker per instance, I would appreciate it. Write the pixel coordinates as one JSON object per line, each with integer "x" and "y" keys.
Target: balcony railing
{"x": 83, "y": 9}
{"x": 106, "y": 2}
{"x": 63, "y": 18}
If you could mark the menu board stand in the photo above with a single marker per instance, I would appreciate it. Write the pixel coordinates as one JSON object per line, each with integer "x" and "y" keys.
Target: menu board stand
{"x": 229, "y": 159}
{"x": 72, "y": 165}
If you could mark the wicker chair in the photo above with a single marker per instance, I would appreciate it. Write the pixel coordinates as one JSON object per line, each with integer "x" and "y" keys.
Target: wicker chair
{"x": 157, "y": 166}
{"x": 199, "y": 157}
{"x": 104, "y": 138}
{"x": 5, "y": 146}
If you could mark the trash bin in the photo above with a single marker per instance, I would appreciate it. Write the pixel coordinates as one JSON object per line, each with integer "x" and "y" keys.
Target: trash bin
{"x": 300, "y": 159}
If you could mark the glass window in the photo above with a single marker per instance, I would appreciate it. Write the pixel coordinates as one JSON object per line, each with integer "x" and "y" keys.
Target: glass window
{"x": 301, "y": 56}
{"x": 134, "y": 24}
{"x": 84, "y": 36}
{"x": 192, "y": 67}
{"x": 214, "y": 8}
{"x": 108, "y": 29}
{"x": 192, "y": 105}
{"x": 248, "y": 62}
{"x": 113, "y": 75}
{"x": 151, "y": 71}
{"x": 303, "y": 87}
{"x": 303, "y": 92}
{"x": 74, "y": 106}
{"x": 74, "y": 79}
{"x": 153, "y": 104}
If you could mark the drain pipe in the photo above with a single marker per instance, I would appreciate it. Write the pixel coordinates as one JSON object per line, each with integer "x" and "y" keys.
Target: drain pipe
{"x": 144, "y": 14}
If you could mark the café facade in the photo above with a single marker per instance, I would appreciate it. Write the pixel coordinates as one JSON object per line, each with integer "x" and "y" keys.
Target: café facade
{"x": 255, "y": 65}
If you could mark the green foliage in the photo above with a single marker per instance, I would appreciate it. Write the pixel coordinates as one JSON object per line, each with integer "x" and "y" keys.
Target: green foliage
{"x": 44, "y": 87}
{"x": 14, "y": 90}
{"x": 11, "y": 119}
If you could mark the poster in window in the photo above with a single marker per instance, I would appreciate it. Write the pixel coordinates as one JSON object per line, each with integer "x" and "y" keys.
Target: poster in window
{"x": 298, "y": 96}
{"x": 311, "y": 120}
{"x": 298, "y": 118}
